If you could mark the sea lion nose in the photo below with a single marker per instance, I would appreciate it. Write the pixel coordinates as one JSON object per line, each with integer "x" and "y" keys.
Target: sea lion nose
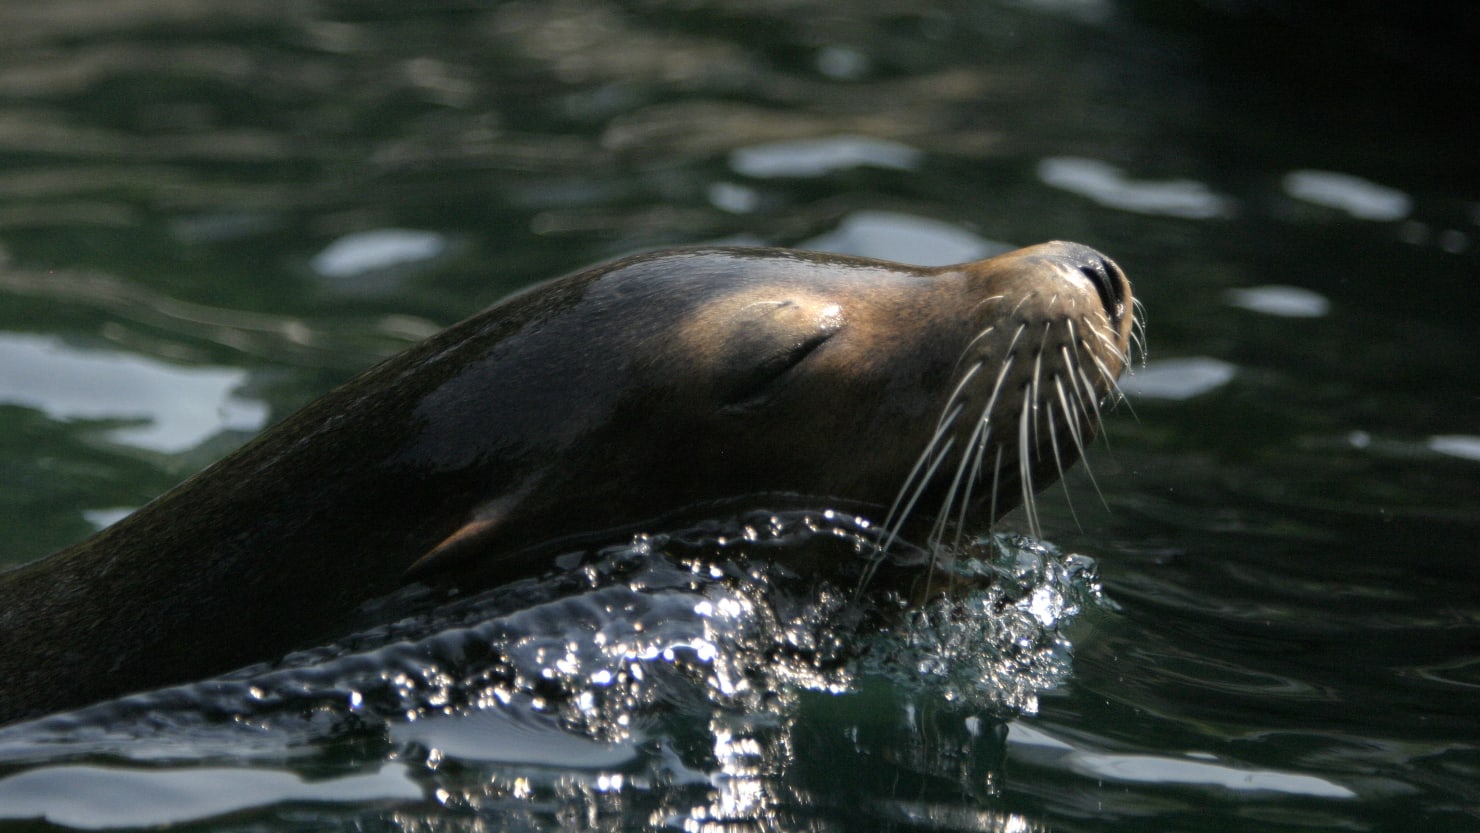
{"x": 1102, "y": 272}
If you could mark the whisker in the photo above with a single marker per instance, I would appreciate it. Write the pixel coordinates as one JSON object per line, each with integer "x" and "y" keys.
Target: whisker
{"x": 996, "y": 480}
{"x": 1025, "y": 474}
{"x": 1069, "y": 413}
{"x": 1009, "y": 357}
{"x": 975, "y": 440}
{"x": 1025, "y": 463}
{"x": 937, "y": 531}
{"x": 1058, "y": 459}
{"x": 983, "y": 302}
{"x": 956, "y": 393}
{"x": 1106, "y": 375}
{"x": 1083, "y": 460}
{"x": 974, "y": 341}
{"x": 1107, "y": 341}
{"x": 1034, "y": 400}
{"x": 919, "y": 489}
{"x": 894, "y": 519}
{"x": 1070, "y": 366}
{"x": 1086, "y": 399}
{"x": 948, "y": 415}
{"x": 1083, "y": 388}
{"x": 1114, "y": 386}
{"x": 1092, "y": 397}
{"x": 979, "y": 440}
{"x": 1138, "y": 327}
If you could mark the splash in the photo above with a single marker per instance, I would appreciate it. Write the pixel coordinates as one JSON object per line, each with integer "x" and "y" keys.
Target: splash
{"x": 737, "y": 616}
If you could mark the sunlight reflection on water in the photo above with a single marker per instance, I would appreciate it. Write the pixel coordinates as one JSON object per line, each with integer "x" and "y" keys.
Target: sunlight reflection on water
{"x": 171, "y": 408}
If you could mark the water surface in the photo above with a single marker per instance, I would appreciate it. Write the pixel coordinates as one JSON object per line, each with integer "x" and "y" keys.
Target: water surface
{"x": 211, "y": 214}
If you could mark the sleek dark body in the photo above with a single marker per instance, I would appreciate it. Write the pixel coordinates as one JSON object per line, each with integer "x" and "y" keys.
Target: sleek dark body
{"x": 594, "y": 402}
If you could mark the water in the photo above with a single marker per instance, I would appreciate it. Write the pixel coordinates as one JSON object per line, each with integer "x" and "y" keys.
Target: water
{"x": 592, "y": 680}
{"x": 208, "y": 216}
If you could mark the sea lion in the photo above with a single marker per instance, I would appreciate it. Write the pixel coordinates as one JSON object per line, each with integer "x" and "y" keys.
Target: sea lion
{"x": 598, "y": 402}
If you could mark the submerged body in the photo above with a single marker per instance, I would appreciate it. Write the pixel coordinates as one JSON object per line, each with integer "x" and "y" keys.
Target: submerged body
{"x": 597, "y": 402}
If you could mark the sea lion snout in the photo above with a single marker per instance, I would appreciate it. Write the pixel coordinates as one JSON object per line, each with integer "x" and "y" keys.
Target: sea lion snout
{"x": 1103, "y": 273}
{"x": 1061, "y": 282}
{"x": 1051, "y": 328}
{"x": 1079, "y": 263}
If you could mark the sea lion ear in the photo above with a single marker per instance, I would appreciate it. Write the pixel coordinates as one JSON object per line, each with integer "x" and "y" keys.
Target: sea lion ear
{"x": 475, "y": 536}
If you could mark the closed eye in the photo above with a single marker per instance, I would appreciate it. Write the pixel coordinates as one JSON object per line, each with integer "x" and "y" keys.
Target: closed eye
{"x": 752, "y": 387}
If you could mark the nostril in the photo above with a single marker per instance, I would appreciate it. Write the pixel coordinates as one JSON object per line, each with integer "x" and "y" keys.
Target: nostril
{"x": 1109, "y": 283}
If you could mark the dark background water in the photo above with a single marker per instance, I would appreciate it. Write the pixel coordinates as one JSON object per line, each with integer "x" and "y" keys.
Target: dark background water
{"x": 1291, "y": 533}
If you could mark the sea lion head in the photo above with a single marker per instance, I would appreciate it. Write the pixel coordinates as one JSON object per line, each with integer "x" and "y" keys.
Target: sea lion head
{"x": 918, "y": 397}
{"x": 935, "y": 391}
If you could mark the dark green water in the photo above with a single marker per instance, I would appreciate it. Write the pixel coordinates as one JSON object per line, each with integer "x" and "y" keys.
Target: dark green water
{"x": 1292, "y": 640}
